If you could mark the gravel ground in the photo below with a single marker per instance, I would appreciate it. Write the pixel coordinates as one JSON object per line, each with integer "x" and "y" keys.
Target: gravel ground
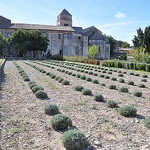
{"x": 25, "y": 126}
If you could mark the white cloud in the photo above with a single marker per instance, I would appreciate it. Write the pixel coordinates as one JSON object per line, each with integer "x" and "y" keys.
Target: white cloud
{"x": 120, "y": 15}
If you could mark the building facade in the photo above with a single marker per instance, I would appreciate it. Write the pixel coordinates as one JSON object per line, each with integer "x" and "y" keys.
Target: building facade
{"x": 65, "y": 39}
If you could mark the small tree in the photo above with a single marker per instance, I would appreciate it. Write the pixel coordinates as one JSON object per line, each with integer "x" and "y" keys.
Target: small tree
{"x": 3, "y": 42}
{"x": 92, "y": 51}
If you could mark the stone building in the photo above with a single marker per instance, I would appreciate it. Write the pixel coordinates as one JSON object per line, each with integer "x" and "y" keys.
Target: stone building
{"x": 65, "y": 39}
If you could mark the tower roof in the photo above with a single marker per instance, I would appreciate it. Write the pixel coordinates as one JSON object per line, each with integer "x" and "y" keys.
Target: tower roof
{"x": 65, "y": 12}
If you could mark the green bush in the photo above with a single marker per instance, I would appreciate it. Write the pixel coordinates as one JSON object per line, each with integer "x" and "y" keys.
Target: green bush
{"x": 61, "y": 122}
{"x": 51, "y": 109}
{"x": 83, "y": 77}
{"x": 98, "y": 97}
{"x": 141, "y": 85}
{"x": 119, "y": 71}
{"x": 88, "y": 79}
{"x": 104, "y": 71}
{"x": 95, "y": 74}
{"x": 111, "y": 104}
{"x": 86, "y": 92}
{"x": 57, "y": 77}
{"x": 65, "y": 82}
{"x": 123, "y": 89}
{"x": 124, "y": 72}
{"x": 78, "y": 75}
{"x": 109, "y": 72}
{"x": 79, "y": 88}
{"x": 121, "y": 80}
{"x": 36, "y": 88}
{"x": 41, "y": 94}
{"x": 26, "y": 79}
{"x": 69, "y": 73}
{"x": 144, "y": 76}
{"x": 90, "y": 72}
{"x": 144, "y": 80}
{"x": 102, "y": 75}
{"x": 95, "y": 81}
{"x": 131, "y": 73}
{"x": 74, "y": 140}
{"x": 136, "y": 74}
{"x": 128, "y": 111}
{"x": 47, "y": 73}
{"x": 148, "y": 67}
{"x": 113, "y": 79}
{"x": 103, "y": 84}
{"x": 147, "y": 122}
{"x": 60, "y": 80}
{"x": 53, "y": 76}
{"x": 73, "y": 74}
{"x": 31, "y": 82}
{"x": 107, "y": 77}
{"x": 112, "y": 86}
{"x": 120, "y": 75}
{"x": 137, "y": 93}
{"x": 123, "y": 57}
{"x": 130, "y": 82}
{"x": 32, "y": 85}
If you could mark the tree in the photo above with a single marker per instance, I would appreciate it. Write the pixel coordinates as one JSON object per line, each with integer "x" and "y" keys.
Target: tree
{"x": 3, "y": 42}
{"x": 124, "y": 44}
{"x": 112, "y": 42}
{"x": 140, "y": 37}
{"x": 136, "y": 41}
{"x": 147, "y": 38}
{"x": 92, "y": 51}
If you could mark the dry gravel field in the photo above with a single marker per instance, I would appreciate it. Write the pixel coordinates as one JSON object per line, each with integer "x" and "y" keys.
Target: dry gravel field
{"x": 25, "y": 126}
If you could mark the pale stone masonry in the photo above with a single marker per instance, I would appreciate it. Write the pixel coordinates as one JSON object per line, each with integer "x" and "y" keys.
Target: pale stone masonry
{"x": 65, "y": 39}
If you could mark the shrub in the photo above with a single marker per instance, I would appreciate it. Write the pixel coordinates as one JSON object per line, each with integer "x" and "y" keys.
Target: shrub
{"x": 95, "y": 81}
{"x": 121, "y": 80}
{"x": 61, "y": 122}
{"x": 113, "y": 79}
{"x": 69, "y": 73}
{"x": 124, "y": 72}
{"x": 109, "y": 72}
{"x": 104, "y": 71}
{"x": 147, "y": 122}
{"x": 131, "y": 73}
{"x": 43, "y": 71}
{"x": 65, "y": 82}
{"x": 144, "y": 76}
{"x": 137, "y": 74}
{"x": 83, "y": 77}
{"x": 148, "y": 67}
{"x": 111, "y": 104}
{"x": 137, "y": 93}
{"x": 144, "y": 80}
{"x": 78, "y": 75}
{"x": 79, "y": 88}
{"x": 102, "y": 75}
{"x": 26, "y": 79}
{"x": 123, "y": 89}
{"x": 31, "y": 82}
{"x": 74, "y": 140}
{"x": 128, "y": 111}
{"x": 130, "y": 82}
{"x": 98, "y": 98}
{"x": 32, "y": 85}
{"x": 90, "y": 72}
{"x": 120, "y": 75}
{"x": 36, "y": 88}
{"x": 119, "y": 71}
{"x": 94, "y": 74}
{"x": 74, "y": 74}
{"x": 141, "y": 85}
{"x": 103, "y": 84}
{"x": 112, "y": 86}
{"x": 88, "y": 79}
{"x": 56, "y": 78}
{"x": 53, "y": 76}
{"x": 107, "y": 77}
{"x": 47, "y": 73}
{"x": 41, "y": 94}
{"x": 51, "y": 109}
{"x": 60, "y": 80}
{"x": 86, "y": 92}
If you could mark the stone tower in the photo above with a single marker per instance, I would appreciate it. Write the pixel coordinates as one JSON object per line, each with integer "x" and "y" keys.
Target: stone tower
{"x": 64, "y": 19}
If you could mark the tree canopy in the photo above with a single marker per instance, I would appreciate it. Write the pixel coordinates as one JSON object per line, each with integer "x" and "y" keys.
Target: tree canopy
{"x": 124, "y": 44}
{"x": 3, "y": 42}
{"x": 32, "y": 40}
{"x": 92, "y": 51}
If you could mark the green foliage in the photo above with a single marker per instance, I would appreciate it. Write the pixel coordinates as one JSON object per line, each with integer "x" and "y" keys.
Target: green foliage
{"x": 124, "y": 44}
{"x": 144, "y": 80}
{"x": 123, "y": 57}
{"x": 147, "y": 122}
{"x": 120, "y": 75}
{"x": 95, "y": 81}
{"x": 147, "y": 38}
{"x": 114, "y": 79}
{"x": 131, "y": 73}
{"x": 26, "y": 79}
{"x": 111, "y": 104}
{"x": 107, "y": 77}
{"x": 112, "y": 86}
{"x": 98, "y": 97}
{"x": 79, "y": 88}
{"x": 88, "y": 79}
{"x": 51, "y": 109}
{"x": 86, "y": 92}
{"x": 92, "y": 51}
{"x": 57, "y": 77}
{"x": 102, "y": 75}
{"x": 83, "y": 77}
{"x": 123, "y": 89}
{"x": 41, "y": 94}
{"x": 74, "y": 140}
{"x": 3, "y": 43}
{"x": 130, "y": 82}
{"x": 61, "y": 122}
{"x": 60, "y": 80}
{"x": 137, "y": 93}
{"x": 94, "y": 74}
{"x": 141, "y": 85}
{"x": 32, "y": 85}
{"x": 127, "y": 111}
{"x": 78, "y": 75}
{"x": 36, "y": 88}
{"x": 65, "y": 82}
{"x": 144, "y": 76}
{"x": 103, "y": 84}
{"x": 121, "y": 80}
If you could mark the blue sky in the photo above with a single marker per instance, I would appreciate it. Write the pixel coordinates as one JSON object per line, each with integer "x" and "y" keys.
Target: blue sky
{"x": 118, "y": 18}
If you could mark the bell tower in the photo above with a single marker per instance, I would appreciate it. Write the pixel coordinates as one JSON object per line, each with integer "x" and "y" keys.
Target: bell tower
{"x": 64, "y": 19}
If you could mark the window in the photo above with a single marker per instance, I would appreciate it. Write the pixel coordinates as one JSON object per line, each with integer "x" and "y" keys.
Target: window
{"x": 65, "y": 24}
{"x": 59, "y": 36}
{"x": 60, "y": 52}
{"x": 99, "y": 49}
{"x": 79, "y": 38}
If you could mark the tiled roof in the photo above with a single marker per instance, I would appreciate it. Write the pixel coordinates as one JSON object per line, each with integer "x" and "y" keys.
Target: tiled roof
{"x": 79, "y": 30}
{"x": 36, "y": 26}
{"x": 65, "y": 12}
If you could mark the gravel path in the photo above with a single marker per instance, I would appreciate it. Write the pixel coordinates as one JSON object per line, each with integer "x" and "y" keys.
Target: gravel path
{"x": 23, "y": 113}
